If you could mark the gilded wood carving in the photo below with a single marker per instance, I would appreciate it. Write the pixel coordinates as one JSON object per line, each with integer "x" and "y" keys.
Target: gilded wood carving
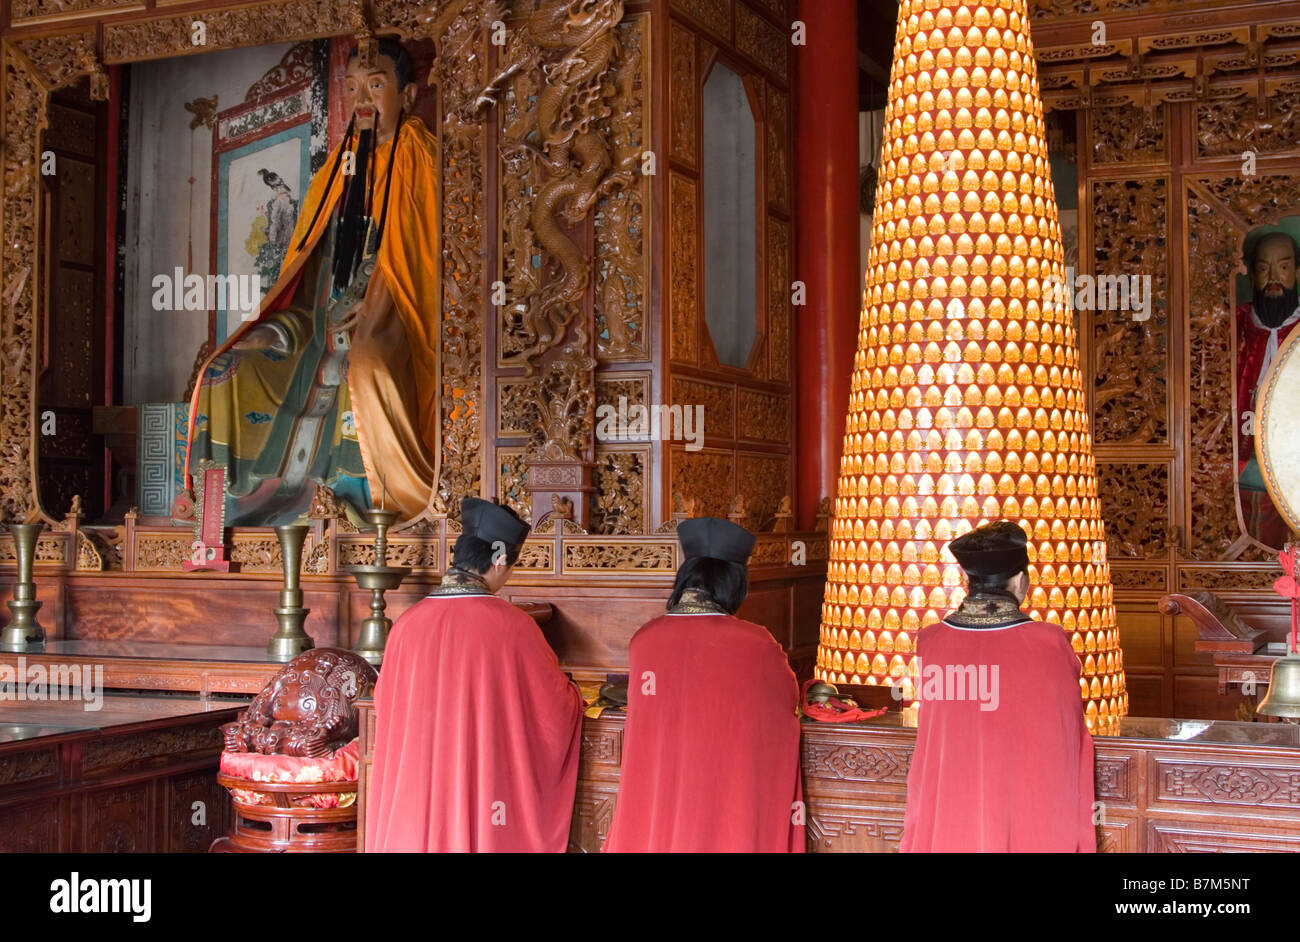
{"x": 683, "y": 256}
{"x": 1129, "y": 355}
{"x": 462, "y": 70}
{"x": 578, "y": 53}
{"x": 683, "y": 141}
{"x": 622, "y": 497}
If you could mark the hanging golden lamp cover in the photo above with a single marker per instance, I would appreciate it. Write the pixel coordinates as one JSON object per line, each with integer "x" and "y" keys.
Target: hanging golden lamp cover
{"x": 967, "y": 402}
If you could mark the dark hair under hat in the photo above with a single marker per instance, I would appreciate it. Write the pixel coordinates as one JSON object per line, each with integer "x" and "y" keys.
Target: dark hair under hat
{"x": 491, "y": 522}
{"x": 715, "y": 538}
{"x": 995, "y": 549}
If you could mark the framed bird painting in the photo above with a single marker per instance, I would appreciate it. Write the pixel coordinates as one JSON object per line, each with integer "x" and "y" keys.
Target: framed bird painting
{"x": 264, "y": 151}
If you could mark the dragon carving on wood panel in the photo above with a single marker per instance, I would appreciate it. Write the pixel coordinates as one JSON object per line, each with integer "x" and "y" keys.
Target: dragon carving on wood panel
{"x": 581, "y": 167}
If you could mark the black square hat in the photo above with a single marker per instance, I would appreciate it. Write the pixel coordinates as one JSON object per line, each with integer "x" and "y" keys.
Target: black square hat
{"x": 994, "y": 549}
{"x": 716, "y": 539}
{"x": 491, "y": 522}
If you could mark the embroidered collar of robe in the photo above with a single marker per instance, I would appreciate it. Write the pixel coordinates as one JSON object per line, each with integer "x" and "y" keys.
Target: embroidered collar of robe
{"x": 986, "y": 610}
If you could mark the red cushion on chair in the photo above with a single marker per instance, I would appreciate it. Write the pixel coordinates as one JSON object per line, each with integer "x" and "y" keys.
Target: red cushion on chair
{"x": 255, "y": 767}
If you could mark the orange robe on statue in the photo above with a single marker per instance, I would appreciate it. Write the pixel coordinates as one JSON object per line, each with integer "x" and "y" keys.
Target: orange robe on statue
{"x": 476, "y": 745}
{"x": 711, "y": 745}
{"x": 1013, "y": 771}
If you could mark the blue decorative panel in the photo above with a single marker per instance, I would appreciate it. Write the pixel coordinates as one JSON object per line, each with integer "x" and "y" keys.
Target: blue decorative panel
{"x": 161, "y": 458}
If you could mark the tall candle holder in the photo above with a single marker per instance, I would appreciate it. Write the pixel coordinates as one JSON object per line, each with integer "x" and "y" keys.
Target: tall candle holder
{"x": 22, "y": 633}
{"x": 290, "y": 639}
{"x": 378, "y": 579}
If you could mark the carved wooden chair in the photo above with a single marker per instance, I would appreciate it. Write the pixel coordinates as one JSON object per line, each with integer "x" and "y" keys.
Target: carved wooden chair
{"x": 290, "y": 760}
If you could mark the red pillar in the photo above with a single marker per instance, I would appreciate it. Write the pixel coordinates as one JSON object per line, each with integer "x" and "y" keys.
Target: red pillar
{"x": 826, "y": 158}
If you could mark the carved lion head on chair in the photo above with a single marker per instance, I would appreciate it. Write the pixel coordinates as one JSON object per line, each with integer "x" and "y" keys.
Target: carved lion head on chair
{"x": 308, "y": 708}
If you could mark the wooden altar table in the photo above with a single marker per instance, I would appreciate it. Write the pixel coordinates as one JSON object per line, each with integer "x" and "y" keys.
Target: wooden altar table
{"x": 202, "y": 669}
{"x": 1165, "y": 785}
{"x": 137, "y": 775}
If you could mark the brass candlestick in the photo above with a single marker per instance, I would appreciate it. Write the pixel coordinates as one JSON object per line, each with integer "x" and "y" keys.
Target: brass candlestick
{"x": 378, "y": 578}
{"x": 23, "y": 633}
{"x": 290, "y": 640}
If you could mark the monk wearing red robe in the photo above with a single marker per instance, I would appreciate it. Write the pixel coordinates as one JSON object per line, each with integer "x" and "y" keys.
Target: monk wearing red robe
{"x": 476, "y": 746}
{"x": 711, "y": 745}
{"x": 1003, "y": 759}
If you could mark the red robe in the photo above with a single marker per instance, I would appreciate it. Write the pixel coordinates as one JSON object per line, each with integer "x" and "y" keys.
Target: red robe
{"x": 476, "y": 745}
{"x": 1014, "y": 778}
{"x": 711, "y": 758}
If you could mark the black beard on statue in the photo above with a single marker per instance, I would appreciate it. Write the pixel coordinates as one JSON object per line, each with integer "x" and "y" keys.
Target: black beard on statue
{"x": 1273, "y": 311}
{"x": 354, "y": 221}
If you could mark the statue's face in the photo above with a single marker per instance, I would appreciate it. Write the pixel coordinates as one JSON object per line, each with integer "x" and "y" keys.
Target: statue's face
{"x": 374, "y": 98}
{"x": 1273, "y": 271}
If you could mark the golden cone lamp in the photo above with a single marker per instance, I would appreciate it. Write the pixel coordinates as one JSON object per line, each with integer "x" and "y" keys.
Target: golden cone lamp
{"x": 967, "y": 402}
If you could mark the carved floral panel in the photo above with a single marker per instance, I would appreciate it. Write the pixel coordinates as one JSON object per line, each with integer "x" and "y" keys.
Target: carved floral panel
{"x": 254, "y": 25}
{"x": 516, "y": 407}
{"x": 714, "y": 15}
{"x": 1130, "y": 344}
{"x": 1129, "y": 135}
{"x": 763, "y": 480}
{"x": 778, "y": 299}
{"x": 682, "y": 91}
{"x": 512, "y": 476}
{"x": 764, "y": 43}
{"x": 718, "y": 402}
{"x": 621, "y": 300}
{"x": 464, "y": 235}
{"x": 683, "y": 264}
{"x": 707, "y": 475}
{"x": 622, "y": 497}
{"x": 763, "y": 416}
{"x": 1230, "y": 128}
{"x": 613, "y": 387}
{"x": 1135, "y": 505}
{"x": 777, "y": 116}
{"x": 37, "y": 10}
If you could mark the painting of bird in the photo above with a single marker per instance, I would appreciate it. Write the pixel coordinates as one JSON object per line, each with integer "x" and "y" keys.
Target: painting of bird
{"x": 281, "y": 210}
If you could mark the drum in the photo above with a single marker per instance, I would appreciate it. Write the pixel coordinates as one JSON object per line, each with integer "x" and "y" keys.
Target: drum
{"x": 1277, "y": 415}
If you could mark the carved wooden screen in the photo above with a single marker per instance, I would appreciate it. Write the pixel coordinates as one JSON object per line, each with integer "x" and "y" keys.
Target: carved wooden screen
{"x": 571, "y": 296}
{"x": 1167, "y": 108}
{"x": 747, "y": 445}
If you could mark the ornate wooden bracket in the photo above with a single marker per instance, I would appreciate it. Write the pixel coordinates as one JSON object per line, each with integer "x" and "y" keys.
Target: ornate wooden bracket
{"x": 1221, "y": 630}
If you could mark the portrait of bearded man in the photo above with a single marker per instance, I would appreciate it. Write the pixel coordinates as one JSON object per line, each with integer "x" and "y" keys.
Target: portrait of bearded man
{"x": 1262, "y": 324}
{"x": 335, "y": 382}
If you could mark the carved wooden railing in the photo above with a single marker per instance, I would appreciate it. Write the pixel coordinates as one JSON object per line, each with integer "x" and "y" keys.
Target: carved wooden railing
{"x": 333, "y": 544}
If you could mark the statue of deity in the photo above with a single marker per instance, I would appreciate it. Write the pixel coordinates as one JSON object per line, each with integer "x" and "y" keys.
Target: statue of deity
{"x": 335, "y": 382}
{"x": 1262, "y": 324}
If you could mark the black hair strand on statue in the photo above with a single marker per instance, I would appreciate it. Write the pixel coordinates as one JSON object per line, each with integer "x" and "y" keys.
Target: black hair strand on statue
{"x": 726, "y": 583}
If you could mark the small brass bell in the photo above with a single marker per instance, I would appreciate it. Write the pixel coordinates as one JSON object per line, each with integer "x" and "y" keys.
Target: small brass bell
{"x": 1283, "y": 698}
{"x": 821, "y": 692}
